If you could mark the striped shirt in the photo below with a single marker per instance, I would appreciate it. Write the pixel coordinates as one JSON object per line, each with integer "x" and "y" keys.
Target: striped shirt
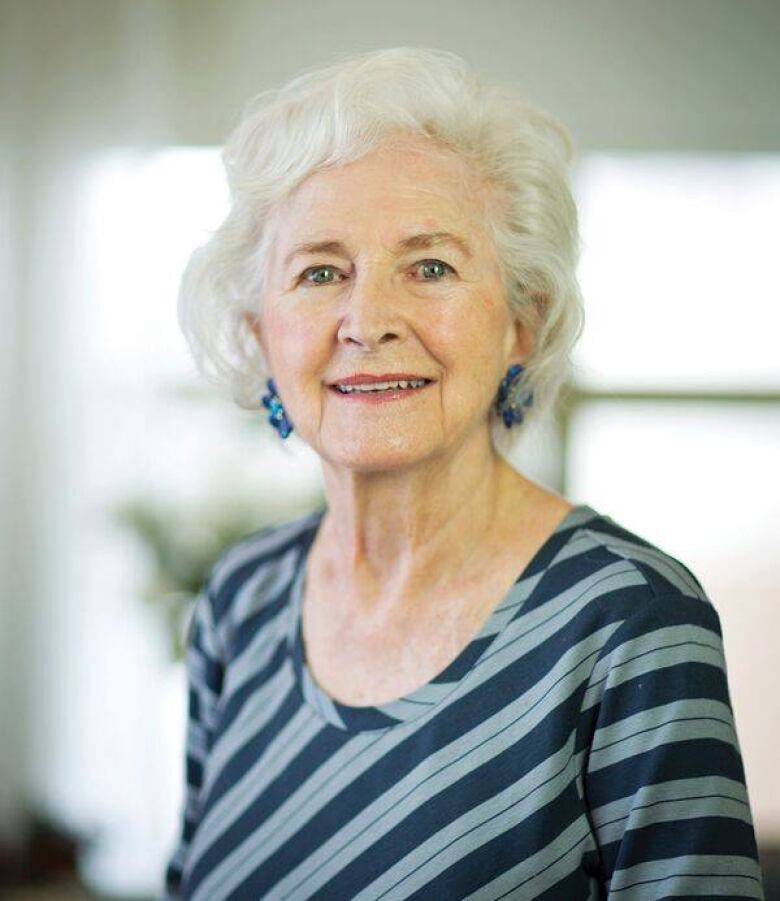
{"x": 581, "y": 746}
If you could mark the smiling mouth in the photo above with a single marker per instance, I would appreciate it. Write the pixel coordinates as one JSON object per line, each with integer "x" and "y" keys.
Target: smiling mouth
{"x": 381, "y": 392}
{"x": 382, "y": 387}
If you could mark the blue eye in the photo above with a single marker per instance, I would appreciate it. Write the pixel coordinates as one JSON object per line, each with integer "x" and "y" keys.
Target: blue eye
{"x": 314, "y": 269}
{"x": 435, "y": 263}
{"x": 317, "y": 269}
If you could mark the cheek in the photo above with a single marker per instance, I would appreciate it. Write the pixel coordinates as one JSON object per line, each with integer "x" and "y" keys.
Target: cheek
{"x": 298, "y": 343}
{"x": 471, "y": 341}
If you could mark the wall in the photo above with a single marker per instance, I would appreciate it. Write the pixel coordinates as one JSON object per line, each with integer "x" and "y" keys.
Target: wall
{"x": 623, "y": 74}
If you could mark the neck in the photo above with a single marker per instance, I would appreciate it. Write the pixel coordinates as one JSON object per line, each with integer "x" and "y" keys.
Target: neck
{"x": 387, "y": 534}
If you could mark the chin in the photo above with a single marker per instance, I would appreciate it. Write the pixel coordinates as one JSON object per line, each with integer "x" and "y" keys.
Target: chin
{"x": 366, "y": 455}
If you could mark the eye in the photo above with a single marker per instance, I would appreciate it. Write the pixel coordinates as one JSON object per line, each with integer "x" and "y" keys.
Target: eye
{"x": 437, "y": 263}
{"x": 313, "y": 269}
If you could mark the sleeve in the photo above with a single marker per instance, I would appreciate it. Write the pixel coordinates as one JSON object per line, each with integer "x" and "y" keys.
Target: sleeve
{"x": 663, "y": 776}
{"x": 204, "y": 668}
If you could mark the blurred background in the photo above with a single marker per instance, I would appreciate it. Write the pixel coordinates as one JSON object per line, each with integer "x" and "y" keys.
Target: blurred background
{"x": 123, "y": 476}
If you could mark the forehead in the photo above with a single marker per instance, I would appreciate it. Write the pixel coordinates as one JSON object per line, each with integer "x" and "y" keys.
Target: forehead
{"x": 405, "y": 184}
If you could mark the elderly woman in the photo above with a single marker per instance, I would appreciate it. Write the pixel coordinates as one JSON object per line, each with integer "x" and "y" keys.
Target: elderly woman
{"x": 451, "y": 682}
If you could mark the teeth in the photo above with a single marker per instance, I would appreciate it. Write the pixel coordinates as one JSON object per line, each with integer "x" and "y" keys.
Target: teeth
{"x": 381, "y": 386}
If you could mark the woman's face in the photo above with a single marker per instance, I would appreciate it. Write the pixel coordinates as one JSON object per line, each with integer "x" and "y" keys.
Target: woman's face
{"x": 383, "y": 301}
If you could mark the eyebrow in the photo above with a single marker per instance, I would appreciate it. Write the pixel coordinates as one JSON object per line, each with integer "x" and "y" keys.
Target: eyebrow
{"x": 422, "y": 241}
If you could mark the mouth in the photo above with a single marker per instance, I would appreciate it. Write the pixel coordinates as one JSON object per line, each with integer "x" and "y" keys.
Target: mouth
{"x": 380, "y": 391}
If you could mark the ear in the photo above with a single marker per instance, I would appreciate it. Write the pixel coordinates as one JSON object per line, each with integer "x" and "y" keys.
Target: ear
{"x": 520, "y": 341}
{"x": 252, "y": 322}
{"x": 521, "y": 338}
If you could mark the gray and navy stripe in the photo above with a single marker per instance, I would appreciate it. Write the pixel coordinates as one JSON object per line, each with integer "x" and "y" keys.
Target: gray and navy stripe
{"x": 582, "y": 746}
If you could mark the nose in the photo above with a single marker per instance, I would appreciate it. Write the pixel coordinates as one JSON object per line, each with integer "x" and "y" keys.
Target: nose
{"x": 369, "y": 317}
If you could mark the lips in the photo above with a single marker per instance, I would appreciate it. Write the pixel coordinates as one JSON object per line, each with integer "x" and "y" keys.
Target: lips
{"x": 365, "y": 378}
{"x": 382, "y": 387}
{"x": 377, "y": 395}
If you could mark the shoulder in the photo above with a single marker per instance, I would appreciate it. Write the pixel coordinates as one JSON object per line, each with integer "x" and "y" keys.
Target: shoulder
{"x": 605, "y": 541}
{"x": 625, "y": 582}
{"x": 253, "y": 571}
{"x": 639, "y": 609}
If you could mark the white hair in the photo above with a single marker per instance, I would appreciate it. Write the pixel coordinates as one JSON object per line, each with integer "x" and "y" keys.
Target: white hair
{"x": 336, "y": 114}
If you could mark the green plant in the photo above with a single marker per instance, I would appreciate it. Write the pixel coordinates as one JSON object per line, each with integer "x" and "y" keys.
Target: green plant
{"x": 182, "y": 540}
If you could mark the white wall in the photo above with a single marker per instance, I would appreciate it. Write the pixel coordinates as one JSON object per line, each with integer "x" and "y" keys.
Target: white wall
{"x": 623, "y": 74}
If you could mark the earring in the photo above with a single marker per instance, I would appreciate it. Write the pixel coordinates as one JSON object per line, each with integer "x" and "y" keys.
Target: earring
{"x": 277, "y": 415}
{"x": 511, "y": 398}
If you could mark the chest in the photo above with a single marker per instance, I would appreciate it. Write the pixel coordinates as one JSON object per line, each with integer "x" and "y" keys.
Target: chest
{"x": 360, "y": 664}
{"x": 489, "y": 796}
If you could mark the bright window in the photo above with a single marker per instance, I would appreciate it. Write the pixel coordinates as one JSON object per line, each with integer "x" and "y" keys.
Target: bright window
{"x": 679, "y": 272}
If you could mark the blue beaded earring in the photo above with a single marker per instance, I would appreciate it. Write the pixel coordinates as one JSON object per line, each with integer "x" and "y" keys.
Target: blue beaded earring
{"x": 277, "y": 415}
{"x": 511, "y": 397}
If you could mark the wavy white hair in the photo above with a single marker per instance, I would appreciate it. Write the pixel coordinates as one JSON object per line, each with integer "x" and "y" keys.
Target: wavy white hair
{"x": 335, "y": 114}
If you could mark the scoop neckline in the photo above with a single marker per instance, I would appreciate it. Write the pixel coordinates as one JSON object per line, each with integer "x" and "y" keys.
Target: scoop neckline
{"x": 425, "y": 697}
